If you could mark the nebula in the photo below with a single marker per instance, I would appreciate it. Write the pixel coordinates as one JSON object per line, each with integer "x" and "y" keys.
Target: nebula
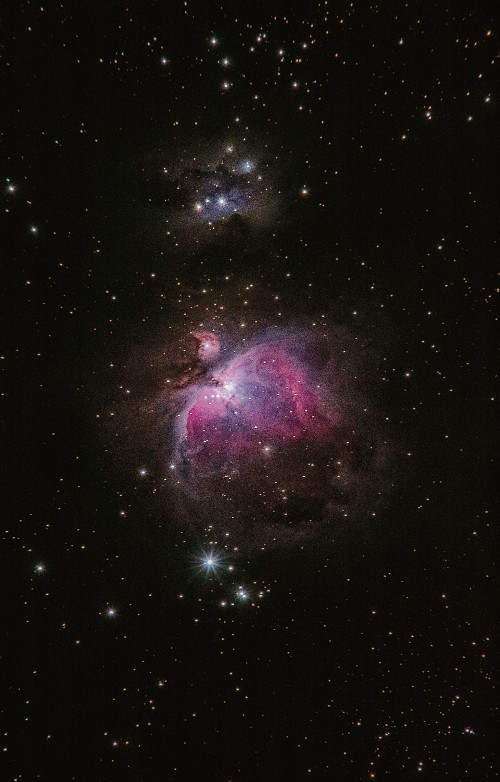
{"x": 250, "y": 431}
{"x": 262, "y": 438}
{"x": 197, "y": 194}
{"x": 257, "y": 403}
{"x": 215, "y": 195}
{"x": 208, "y": 345}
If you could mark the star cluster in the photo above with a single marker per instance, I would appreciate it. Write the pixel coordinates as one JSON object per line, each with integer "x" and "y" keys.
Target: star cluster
{"x": 212, "y": 189}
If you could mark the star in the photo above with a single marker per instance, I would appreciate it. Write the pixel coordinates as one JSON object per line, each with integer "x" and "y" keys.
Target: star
{"x": 209, "y": 560}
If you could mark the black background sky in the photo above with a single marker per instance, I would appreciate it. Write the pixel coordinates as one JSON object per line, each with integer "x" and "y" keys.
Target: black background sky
{"x": 372, "y": 658}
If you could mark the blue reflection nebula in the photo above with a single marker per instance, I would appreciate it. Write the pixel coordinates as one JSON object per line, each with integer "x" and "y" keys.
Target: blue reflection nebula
{"x": 217, "y": 195}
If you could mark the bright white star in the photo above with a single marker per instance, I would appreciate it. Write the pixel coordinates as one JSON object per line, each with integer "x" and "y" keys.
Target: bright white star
{"x": 208, "y": 561}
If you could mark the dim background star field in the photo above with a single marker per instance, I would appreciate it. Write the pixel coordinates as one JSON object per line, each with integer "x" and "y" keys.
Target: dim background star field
{"x": 248, "y": 394}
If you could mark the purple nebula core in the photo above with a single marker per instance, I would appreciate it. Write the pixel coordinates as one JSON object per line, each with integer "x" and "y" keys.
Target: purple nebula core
{"x": 262, "y": 430}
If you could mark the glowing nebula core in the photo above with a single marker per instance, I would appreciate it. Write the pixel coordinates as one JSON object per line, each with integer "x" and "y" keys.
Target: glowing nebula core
{"x": 261, "y": 433}
{"x": 262, "y": 395}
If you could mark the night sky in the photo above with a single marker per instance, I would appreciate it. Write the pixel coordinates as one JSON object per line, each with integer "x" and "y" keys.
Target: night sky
{"x": 248, "y": 387}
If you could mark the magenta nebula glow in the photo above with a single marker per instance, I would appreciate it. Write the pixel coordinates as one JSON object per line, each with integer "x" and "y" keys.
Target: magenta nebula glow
{"x": 261, "y": 396}
{"x": 208, "y": 345}
{"x": 260, "y": 430}
{"x": 260, "y": 436}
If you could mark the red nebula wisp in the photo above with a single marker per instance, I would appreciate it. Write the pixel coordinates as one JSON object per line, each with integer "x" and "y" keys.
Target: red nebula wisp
{"x": 208, "y": 345}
